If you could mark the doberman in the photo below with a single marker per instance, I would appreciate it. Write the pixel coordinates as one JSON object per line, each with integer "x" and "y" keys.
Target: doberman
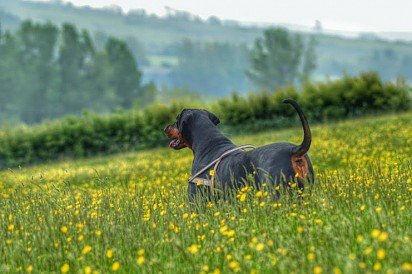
{"x": 279, "y": 163}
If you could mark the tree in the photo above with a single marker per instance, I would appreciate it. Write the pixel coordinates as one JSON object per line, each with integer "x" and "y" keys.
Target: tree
{"x": 76, "y": 62}
{"x": 47, "y": 72}
{"x": 10, "y": 77}
{"x": 124, "y": 75}
{"x": 276, "y": 60}
{"x": 309, "y": 59}
{"x": 212, "y": 68}
{"x": 37, "y": 60}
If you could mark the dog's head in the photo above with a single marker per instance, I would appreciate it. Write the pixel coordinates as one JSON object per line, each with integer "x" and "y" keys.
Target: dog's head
{"x": 178, "y": 132}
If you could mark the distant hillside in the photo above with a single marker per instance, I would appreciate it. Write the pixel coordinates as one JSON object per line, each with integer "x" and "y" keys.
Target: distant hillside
{"x": 158, "y": 37}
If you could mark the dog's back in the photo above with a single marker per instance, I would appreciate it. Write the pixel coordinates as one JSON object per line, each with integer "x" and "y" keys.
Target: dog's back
{"x": 273, "y": 164}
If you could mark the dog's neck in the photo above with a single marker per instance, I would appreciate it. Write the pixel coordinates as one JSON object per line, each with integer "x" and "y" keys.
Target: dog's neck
{"x": 208, "y": 144}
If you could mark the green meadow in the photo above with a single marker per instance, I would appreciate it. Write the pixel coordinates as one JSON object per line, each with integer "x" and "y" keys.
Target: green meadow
{"x": 129, "y": 212}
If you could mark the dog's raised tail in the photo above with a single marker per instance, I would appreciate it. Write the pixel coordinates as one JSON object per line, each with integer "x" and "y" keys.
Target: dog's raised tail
{"x": 307, "y": 135}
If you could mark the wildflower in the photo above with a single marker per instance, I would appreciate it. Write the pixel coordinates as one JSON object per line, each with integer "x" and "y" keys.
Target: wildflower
{"x": 63, "y": 229}
{"x": 234, "y": 266}
{"x": 317, "y": 270}
{"x": 383, "y": 236}
{"x": 311, "y": 256}
{"x": 86, "y": 249}
{"x": 115, "y": 266}
{"x": 65, "y": 268}
{"x": 193, "y": 249}
{"x": 380, "y": 254}
{"x": 407, "y": 266}
{"x": 367, "y": 250}
{"x": 140, "y": 260}
{"x": 29, "y": 268}
{"x": 87, "y": 270}
{"x": 377, "y": 266}
{"x": 260, "y": 247}
{"x": 375, "y": 233}
{"x": 80, "y": 226}
{"x": 216, "y": 271}
{"x": 11, "y": 227}
{"x": 359, "y": 239}
{"x": 109, "y": 253}
{"x": 140, "y": 252}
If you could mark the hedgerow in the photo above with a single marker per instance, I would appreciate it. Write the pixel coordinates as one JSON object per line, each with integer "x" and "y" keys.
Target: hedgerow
{"x": 92, "y": 134}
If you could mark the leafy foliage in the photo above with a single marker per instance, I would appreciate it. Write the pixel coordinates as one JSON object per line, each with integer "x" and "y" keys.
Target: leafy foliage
{"x": 47, "y": 72}
{"x": 280, "y": 58}
{"x": 130, "y": 130}
{"x": 211, "y": 68}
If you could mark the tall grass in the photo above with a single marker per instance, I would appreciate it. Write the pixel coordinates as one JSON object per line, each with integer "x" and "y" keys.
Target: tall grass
{"x": 129, "y": 213}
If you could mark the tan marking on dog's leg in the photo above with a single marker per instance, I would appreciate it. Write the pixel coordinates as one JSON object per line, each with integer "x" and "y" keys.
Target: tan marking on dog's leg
{"x": 300, "y": 166}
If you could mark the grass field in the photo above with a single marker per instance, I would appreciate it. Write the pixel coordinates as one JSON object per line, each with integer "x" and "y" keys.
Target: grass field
{"x": 129, "y": 213}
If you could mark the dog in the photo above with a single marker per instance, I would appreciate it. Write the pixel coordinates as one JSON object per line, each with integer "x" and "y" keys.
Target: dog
{"x": 278, "y": 163}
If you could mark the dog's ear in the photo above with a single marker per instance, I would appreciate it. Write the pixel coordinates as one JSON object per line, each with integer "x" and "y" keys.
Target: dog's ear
{"x": 213, "y": 118}
{"x": 183, "y": 119}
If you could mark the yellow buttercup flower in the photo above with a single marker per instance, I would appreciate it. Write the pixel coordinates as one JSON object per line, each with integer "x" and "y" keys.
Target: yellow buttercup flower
{"x": 407, "y": 267}
{"x": 115, "y": 266}
{"x": 260, "y": 247}
{"x": 234, "y": 265}
{"x": 86, "y": 249}
{"x": 377, "y": 266}
{"x": 381, "y": 254}
{"x": 87, "y": 270}
{"x": 317, "y": 270}
{"x": 193, "y": 249}
{"x": 64, "y": 268}
{"x": 109, "y": 253}
{"x": 383, "y": 236}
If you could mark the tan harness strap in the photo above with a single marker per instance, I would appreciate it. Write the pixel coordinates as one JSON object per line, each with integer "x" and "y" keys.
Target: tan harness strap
{"x": 211, "y": 183}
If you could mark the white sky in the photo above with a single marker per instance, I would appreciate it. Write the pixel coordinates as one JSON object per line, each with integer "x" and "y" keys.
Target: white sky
{"x": 347, "y": 15}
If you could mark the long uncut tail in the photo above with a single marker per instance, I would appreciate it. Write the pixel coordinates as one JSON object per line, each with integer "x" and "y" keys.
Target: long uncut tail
{"x": 307, "y": 135}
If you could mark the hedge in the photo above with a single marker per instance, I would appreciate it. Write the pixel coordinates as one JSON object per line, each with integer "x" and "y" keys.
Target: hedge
{"x": 92, "y": 134}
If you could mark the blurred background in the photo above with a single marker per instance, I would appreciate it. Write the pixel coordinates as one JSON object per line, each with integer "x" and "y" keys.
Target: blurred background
{"x": 59, "y": 58}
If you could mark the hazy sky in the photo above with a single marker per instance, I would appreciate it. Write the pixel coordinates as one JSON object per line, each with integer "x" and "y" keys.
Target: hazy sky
{"x": 349, "y": 15}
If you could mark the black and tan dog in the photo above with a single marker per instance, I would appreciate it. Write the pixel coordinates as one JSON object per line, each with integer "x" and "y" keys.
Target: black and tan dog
{"x": 278, "y": 163}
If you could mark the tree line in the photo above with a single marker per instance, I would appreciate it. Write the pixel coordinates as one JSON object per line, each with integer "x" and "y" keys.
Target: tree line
{"x": 48, "y": 72}
{"x": 276, "y": 60}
